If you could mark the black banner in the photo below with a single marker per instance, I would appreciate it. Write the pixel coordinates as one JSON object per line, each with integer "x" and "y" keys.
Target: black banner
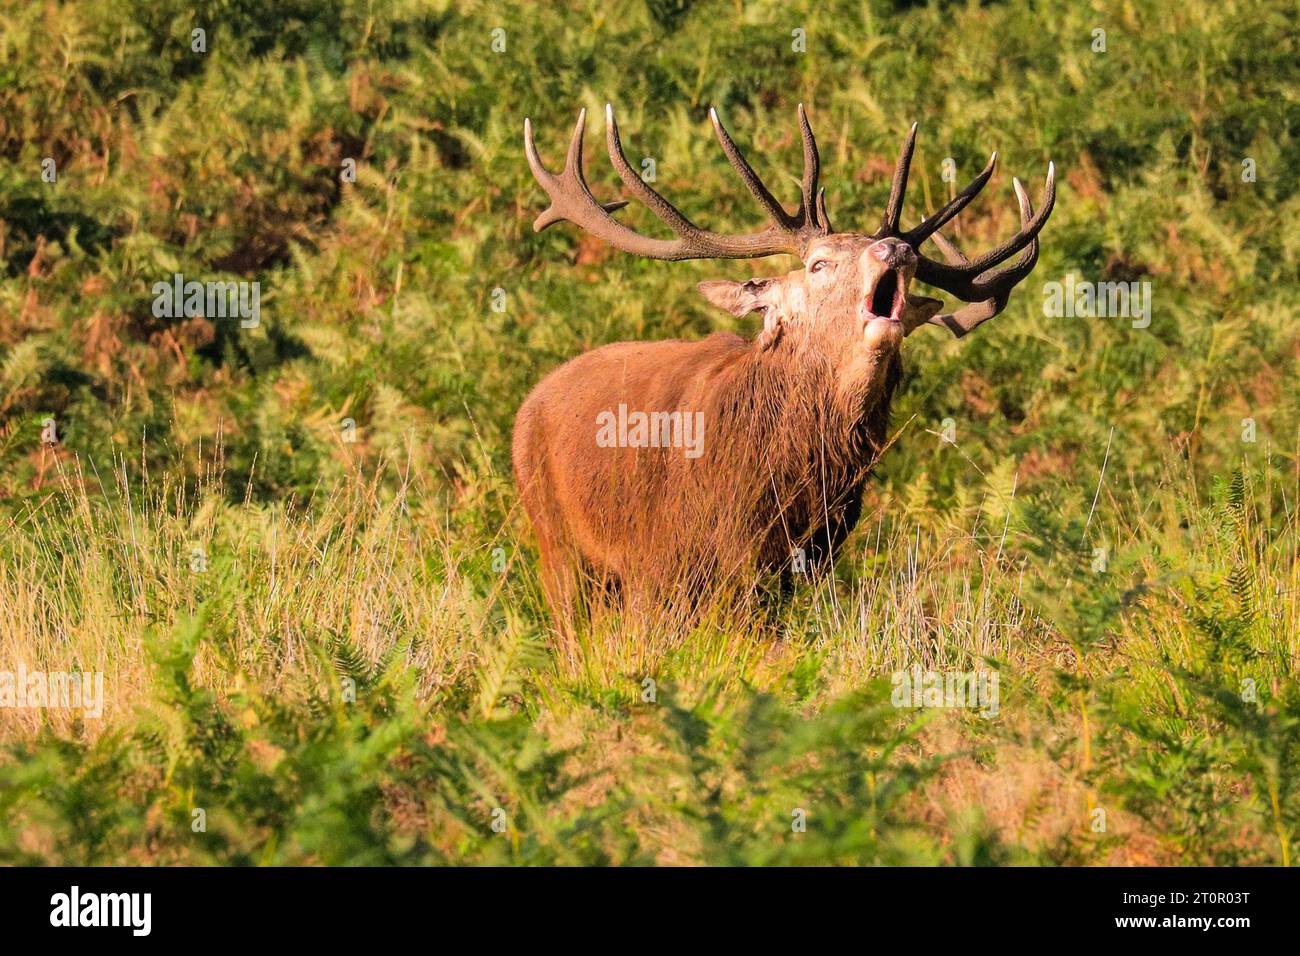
{"x": 335, "y": 906}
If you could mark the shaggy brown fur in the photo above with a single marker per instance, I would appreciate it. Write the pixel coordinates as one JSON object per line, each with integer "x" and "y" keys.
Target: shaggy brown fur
{"x": 793, "y": 422}
{"x": 787, "y": 426}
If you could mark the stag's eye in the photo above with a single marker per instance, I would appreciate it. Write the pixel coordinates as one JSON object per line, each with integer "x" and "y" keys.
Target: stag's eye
{"x": 820, "y": 265}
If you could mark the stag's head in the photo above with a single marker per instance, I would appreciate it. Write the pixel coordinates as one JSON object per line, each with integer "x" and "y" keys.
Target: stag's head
{"x": 853, "y": 294}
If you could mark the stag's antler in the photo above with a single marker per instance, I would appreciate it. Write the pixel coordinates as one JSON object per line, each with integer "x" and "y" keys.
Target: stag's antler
{"x": 571, "y": 199}
{"x": 977, "y": 281}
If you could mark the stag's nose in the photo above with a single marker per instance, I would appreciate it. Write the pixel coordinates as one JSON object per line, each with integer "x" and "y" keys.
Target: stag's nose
{"x": 894, "y": 253}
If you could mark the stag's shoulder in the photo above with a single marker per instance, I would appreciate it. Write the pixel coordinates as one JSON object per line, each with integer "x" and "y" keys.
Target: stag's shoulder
{"x": 659, "y": 374}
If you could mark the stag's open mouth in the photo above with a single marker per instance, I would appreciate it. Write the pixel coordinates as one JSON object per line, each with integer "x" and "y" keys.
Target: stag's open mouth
{"x": 886, "y": 299}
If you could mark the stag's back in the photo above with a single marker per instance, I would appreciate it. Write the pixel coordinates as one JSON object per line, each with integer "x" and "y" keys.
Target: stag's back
{"x": 608, "y": 504}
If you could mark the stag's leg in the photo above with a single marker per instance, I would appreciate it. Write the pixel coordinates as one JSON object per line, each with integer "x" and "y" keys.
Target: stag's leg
{"x": 560, "y": 572}
{"x": 827, "y": 539}
{"x": 561, "y": 567}
{"x": 561, "y": 582}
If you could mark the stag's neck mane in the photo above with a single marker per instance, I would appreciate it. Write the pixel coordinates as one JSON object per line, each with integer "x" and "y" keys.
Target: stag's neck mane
{"x": 803, "y": 417}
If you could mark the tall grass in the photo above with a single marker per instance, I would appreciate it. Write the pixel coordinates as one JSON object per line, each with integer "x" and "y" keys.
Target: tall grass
{"x": 337, "y": 649}
{"x": 361, "y": 605}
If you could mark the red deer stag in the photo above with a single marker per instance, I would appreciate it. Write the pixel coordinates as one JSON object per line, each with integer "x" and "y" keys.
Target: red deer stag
{"x": 675, "y": 469}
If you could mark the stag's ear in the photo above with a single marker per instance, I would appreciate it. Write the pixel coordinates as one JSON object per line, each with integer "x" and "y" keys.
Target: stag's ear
{"x": 738, "y": 298}
{"x": 917, "y": 311}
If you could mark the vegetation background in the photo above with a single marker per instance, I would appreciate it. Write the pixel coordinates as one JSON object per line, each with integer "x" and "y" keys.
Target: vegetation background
{"x": 335, "y": 650}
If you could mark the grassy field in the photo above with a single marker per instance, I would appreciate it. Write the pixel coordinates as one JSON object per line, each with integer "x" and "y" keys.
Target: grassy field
{"x": 294, "y": 551}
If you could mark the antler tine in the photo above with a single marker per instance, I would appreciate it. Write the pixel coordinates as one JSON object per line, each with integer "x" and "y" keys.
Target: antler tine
{"x": 809, "y": 209}
{"x": 959, "y": 202}
{"x": 573, "y": 158}
{"x": 1004, "y": 279}
{"x": 965, "y": 281}
{"x": 571, "y": 199}
{"x": 661, "y": 207}
{"x": 996, "y": 286}
{"x": 950, "y": 252}
{"x": 540, "y": 172}
{"x": 1029, "y": 230}
{"x": 572, "y": 173}
{"x": 898, "y": 188}
{"x": 775, "y": 211}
